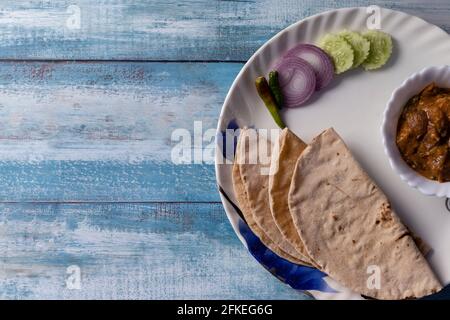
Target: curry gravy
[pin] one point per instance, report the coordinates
(423, 133)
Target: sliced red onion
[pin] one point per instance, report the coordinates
(297, 81)
(319, 61)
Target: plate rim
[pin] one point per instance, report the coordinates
(226, 202)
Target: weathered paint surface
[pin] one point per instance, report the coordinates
(102, 131)
(172, 30)
(85, 146)
(135, 251)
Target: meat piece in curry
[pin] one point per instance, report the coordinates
(423, 133)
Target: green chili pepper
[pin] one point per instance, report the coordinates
(267, 97)
(274, 86)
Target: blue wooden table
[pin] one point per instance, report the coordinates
(90, 92)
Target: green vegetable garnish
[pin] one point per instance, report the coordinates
(274, 86)
(262, 86)
(380, 49)
(360, 46)
(340, 51)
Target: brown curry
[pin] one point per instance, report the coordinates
(423, 133)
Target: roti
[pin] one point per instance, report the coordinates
(255, 179)
(283, 163)
(349, 228)
(242, 199)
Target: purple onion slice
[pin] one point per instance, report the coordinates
(319, 61)
(297, 81)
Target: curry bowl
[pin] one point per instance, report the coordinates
(412, 86)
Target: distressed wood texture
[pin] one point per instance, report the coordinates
(102, 131)
(134, 251)
(85, 146)
(168, 30)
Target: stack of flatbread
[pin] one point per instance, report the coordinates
(314, 205)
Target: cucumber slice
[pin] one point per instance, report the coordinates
(380, 49)
(360, 46)
(339, 50)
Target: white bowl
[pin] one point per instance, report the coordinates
(410, 87)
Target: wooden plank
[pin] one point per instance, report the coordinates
(133, 251)
(102, 131)
(165, 30)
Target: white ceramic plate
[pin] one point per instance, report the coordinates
(353, 104)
